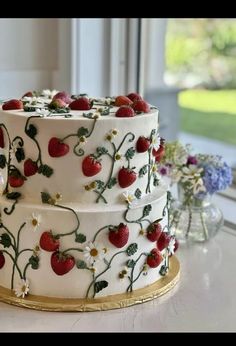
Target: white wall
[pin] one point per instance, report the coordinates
(29, 55)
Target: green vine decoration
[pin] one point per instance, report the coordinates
(132, 264)
(166, 210)
(146, 211)
(11, 169)
(12, 196)
(82, 134)
(99, 285)
(100, 186)
(149, 168)
(31, 131)
(8, 240)
(79, 237)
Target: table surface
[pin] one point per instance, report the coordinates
(203, 300)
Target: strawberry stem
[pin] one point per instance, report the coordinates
(101, 229)
(77, 221)
(72, 249)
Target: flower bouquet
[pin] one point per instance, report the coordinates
(198, 177)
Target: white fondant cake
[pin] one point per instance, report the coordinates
(84, 212)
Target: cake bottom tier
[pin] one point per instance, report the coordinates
(116, 301)
(78, 251)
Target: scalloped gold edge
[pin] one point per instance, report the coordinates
(116, 301)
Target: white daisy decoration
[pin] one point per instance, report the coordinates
(22, 288)
(92, 253)
(34, 221)
(36, 250)
(171, 246)
(128, 197)
(42, 112)
(156, 141)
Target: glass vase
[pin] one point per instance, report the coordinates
(195, 220)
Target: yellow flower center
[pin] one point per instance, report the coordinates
(82, 139)
(141, 232)
(23, 288)
(93, 185)
(87, 188)
(109, 137)
(117, 157)
(34, 222)
(104, 250)
(114, 132)
(93, 252)
(58, 196)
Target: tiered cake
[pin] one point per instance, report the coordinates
(84, 213)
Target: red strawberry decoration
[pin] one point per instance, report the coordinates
(1, 138)
(125, 112)
(12, 104)
(57, 103)
(176, 245)
(119, 236)
(134, 97)
(141, 106)
(163, 241)
(56, 148)
(63, 96)
(142, 144)
(154, 258)
(154, 231)
(126, 177)
(81, 104)
(30, 167)
(2, 260)
(122, 101)
(28, 94)
(48, 242)
(160, 152)
(16, 181)
(61, 263)
(91, 166)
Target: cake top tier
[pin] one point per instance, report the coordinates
(87, 150)
(52, 104)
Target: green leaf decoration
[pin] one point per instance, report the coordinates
(143, 171)
(100, 285)
(31, 131)
(147, 209)
(80, 238)
(130, 263)
(34, 262)
(164, 270)
(101, 151)
(3, 161)
(60, 110)
(45, 197)
(82, 131)
(129, 153)
(20, 154)
(106, 111)
(138, 193)
(29, 109)
(106, 261)
(81, 264)
(111, 183)
(156, 181)
(13, 195)
(131, 249)
(45, 170)
(100, 184)
(88, 115)
(5, 240)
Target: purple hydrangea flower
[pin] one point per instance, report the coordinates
(217, 178)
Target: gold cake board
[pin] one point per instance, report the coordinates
(116, 301)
